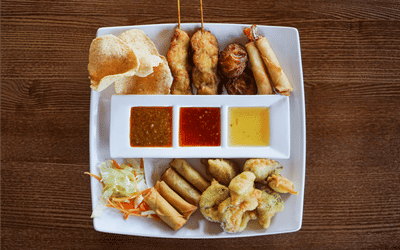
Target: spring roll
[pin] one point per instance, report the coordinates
(181, 186)
(163, 209)
(278, 76)
(183, 207)
(190, 174)
(259, 71)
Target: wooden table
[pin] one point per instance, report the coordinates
(351, 64)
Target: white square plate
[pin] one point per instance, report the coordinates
(286, 44)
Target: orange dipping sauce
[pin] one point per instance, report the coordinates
(151, 127)
(200, 127)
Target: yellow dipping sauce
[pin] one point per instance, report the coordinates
(248, 126)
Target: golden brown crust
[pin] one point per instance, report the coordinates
(178, 61)
(163, 209)
(233, 60)
(205, 59)
(181, 186)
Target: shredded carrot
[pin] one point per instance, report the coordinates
(116, 164)
(93, 175)
(141, 163)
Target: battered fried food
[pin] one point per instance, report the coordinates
(269, 204)
(233, 60)
(242, 188)
(222, 170)
(211, 198)
(205, 59)
(281, 184)
(234, 218)
(178, 61)
(242, 85)
(262, 168)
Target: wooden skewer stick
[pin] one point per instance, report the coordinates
(201, 13)
(179, 16)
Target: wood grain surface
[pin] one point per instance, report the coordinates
(351, 65)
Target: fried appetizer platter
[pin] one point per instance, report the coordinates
(235, 204)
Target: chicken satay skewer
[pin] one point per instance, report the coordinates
(178, 60)
(278, 76)
(205, 60)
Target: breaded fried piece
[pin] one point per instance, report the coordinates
(234, 218)
(262, 168)
(205, 59)
(211, 198)
(222, 170)
(178, 61)
(241, 188)
(269, 204)
(281, 184)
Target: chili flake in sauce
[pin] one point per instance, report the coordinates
(151, 127)
(200, 126)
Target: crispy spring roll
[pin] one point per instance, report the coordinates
(164, 210)
(278, 76)
(259, 71)
(181, 186)
(190, 174)
(185, 208)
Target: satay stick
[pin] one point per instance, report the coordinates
(163, 209)
(179, 15)
(201, 14)
(190, 174)
(184, 207)
(181, 186)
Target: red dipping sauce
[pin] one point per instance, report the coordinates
(200, 127)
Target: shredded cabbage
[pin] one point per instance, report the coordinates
(119, 183)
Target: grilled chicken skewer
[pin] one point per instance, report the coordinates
(178, 60)
(205, 60)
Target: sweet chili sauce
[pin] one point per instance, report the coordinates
(200, 126)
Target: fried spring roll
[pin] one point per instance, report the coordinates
(190, 174)
(181, 186)
(259, 71)
(163, 209)
(178, 61)
(185, 208)
(278, 76)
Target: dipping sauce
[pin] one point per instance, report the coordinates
(200, 126)
(151, 127)
(248, 126)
